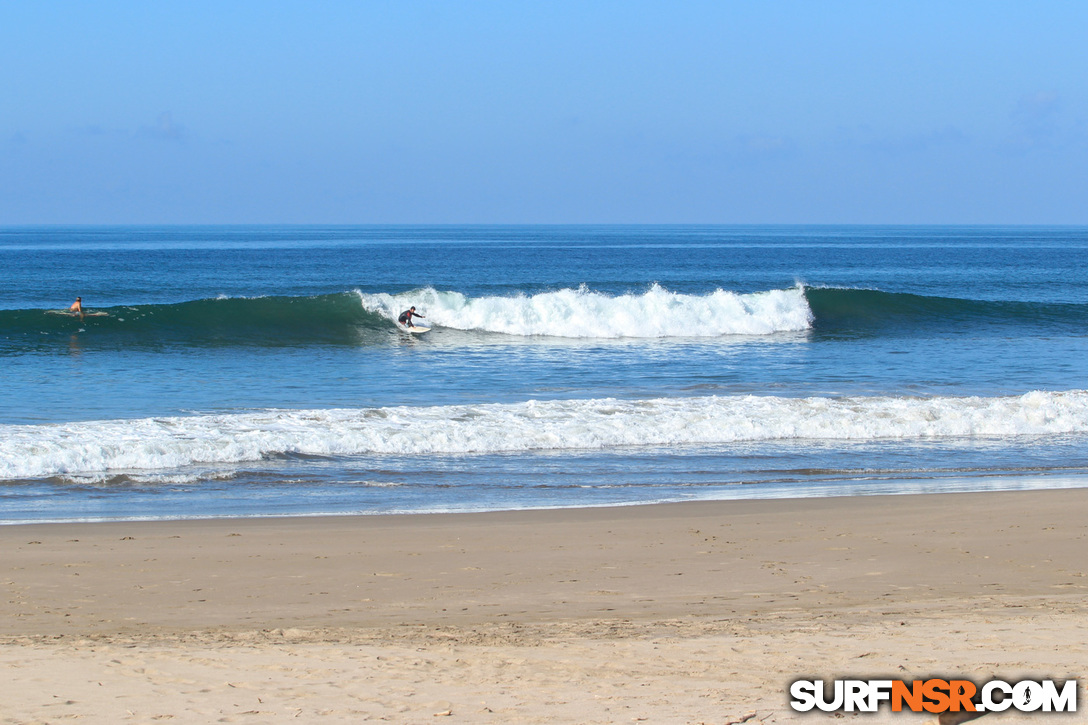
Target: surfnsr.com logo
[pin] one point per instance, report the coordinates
(934, 695)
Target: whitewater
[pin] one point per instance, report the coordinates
(168, 444)
(581, 313)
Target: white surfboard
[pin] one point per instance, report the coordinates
(416, 330)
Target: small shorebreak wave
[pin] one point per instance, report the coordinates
(170, 444)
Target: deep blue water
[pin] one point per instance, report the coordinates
(259, 370)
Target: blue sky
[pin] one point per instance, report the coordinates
(543, 112)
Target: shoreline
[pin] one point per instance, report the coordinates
(684, 612)
(765, 492)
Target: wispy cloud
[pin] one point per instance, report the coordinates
(95, 129)
(1036, 118)
(766, 144)
(1037, 107)
(1040, 122)
(164, 129)
(868, 140)
(756, 147)
(919, 142)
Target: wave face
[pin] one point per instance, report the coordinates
(862, 309)
(335, 318)
(170, 443)
(351, 318)
(580, 313)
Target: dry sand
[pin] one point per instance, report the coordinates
(680, 613)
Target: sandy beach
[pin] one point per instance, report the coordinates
(678, 613)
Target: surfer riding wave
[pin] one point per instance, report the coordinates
(406, 317)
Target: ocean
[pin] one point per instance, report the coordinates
(258, 371)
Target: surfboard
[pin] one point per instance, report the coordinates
(417, 330)
(69, 313)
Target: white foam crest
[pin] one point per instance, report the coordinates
(156, 444)
(581, 313)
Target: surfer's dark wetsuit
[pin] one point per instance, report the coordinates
(406, 317)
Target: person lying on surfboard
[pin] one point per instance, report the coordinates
(77, 307)
(406, 317)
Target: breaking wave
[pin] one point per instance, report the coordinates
(172, 443)
(353, 318)
(582, 313)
